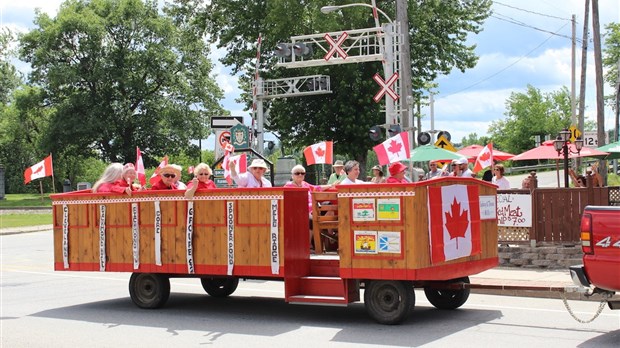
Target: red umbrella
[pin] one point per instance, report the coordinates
(547, 151)
(472, 151)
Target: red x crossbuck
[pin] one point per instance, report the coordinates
(334, 46)
(385, 87)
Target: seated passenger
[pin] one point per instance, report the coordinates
(377, 175)
(397, 173)
(166, 176)
(253, 178)
(110, 180)
(352, 169)
(201, 181)
(129, 176)
(177, 180)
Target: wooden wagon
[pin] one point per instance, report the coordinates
(392, 238)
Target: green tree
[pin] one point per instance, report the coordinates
(529, 114)
(473, 139)
(438, 33)
(119, 74)
(9, 78)
(611, 53)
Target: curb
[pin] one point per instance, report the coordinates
(25, 229)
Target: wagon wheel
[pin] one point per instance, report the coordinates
(219, 287)
(149, 290)
(448, 299)
(389, 302)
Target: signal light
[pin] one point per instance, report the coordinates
(586, 234)
(375, 133)
(424, 138)
(302, 49)
(445, 134)
(394, 130)
(283, 50)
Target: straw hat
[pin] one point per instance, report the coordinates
(170, 169)
(258, 163)
(378, 168)
(338, 163)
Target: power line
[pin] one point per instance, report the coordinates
(505, 18)
(507, 67)
(532, 12)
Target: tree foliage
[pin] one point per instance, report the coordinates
(438, 32)
(529, 114)
(117, 74)
(611, 53)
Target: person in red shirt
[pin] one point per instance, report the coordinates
(166, 179)
(111, 182)
(397, 174)
(201, 181)
(129, 177)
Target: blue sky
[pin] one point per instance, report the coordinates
(511, 57)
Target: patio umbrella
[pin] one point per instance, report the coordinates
(472, 151)
(613, 149)
(431, 152)
(547, 151)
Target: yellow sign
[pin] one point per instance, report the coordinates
(574, 133)
(445, 144)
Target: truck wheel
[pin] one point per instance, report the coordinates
(149, 290)
(448, 299)
(388, 302)
(219, 287)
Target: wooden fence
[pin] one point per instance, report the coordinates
(556, 214)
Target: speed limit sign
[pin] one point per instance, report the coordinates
(590, 139)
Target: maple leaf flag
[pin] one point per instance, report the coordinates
(485, 158)
(39, 170)
(394, 149)
(155, 177)
(140, 167)
(320, 153)
(454, 217)
(241, 165)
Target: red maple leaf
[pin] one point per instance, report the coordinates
(395, 146)
(320, 152)
(485, 156)
(37, 170)
(456, 221)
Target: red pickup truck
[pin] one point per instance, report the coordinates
(600, 238)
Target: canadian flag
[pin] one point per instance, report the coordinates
(454, 217)
(394, 149)
(154, 177)
(485, 158)
(241, 165)
(320, 153)
(140, 167)
(39, 170)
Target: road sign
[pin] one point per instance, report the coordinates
(223, 137)
(385, 87)
(334, 46)
(574, 133)
(225, 122)
(590, 139)
(444, 144)
(240, 136)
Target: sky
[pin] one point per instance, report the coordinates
(523, 42)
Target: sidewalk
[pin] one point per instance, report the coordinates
(489, 282)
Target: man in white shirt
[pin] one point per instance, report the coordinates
(464, 171)
(253, 178)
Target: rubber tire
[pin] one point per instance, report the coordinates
(219, 287)
(149, 290)
(448, 299)
(389, 301)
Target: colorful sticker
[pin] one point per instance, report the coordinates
(365, 242)
(363, 209)
(388, 209)
(390, 242)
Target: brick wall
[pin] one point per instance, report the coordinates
(544, 257)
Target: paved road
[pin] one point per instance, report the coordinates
(545, 179)
(43, 308)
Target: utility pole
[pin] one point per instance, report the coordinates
(573, 102)
(584, 64)
(406, 98)
(600, 106)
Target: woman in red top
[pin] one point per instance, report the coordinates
(110, 181)
(129, 176)
(397, 173)
(201, 181)
(166, 179)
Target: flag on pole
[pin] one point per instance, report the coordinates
(155, 176)
(241, 165)
(39, 170)
(454, 219)
(484, 159)
(140, 167)
(394, 149)
(320, 153)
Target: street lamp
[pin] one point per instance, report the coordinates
(561, 146)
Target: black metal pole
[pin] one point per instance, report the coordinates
(565, 150)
